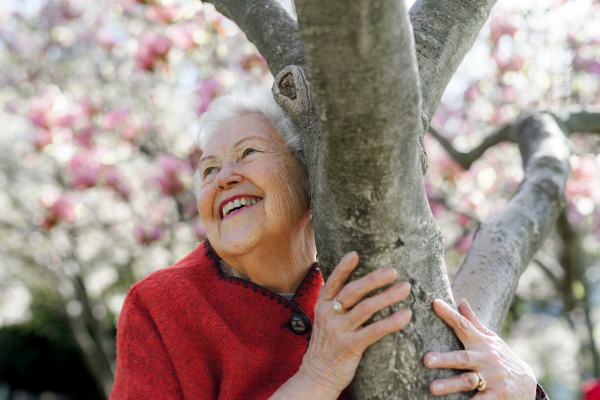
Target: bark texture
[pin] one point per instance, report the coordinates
(367, 189)
(505, 244)
(269, 27)
(444, 31)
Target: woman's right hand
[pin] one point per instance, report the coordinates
(338, 338)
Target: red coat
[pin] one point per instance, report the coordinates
(191, 331)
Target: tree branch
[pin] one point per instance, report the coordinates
(504, 244)
(570, 119)
(467, 159)
(269, 27)
(549, 273)
(444, 32)
(579, 118)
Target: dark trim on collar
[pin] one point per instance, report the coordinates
(224, 276)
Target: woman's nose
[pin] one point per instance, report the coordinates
(228, 177)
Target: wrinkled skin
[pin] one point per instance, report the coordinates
(506, 376)
(247, 157)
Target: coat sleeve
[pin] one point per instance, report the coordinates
(144, 367)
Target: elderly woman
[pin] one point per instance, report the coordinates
(246, 314)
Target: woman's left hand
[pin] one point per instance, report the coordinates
(506, 376)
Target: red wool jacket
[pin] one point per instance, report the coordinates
(192, 331)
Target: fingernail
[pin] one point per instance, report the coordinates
(438, 387)
(432, 361)
(406, 315)
(389, 273)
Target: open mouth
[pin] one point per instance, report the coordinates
(238, 204)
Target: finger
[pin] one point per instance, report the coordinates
(340, 275)
(465, 331)
(461, 383)
(366, 308)
(375, 331)
(486, 395)
(353, 292)
(463, 359)
(467, 311)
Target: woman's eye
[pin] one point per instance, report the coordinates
(247, 152)
(209, 171)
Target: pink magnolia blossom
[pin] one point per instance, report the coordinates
(121, 119)
(191, 207)
(182, 35)
(510, 94)
(72, 9)
(153, 48)
(106, 38)
(85, 136)
(171, 171)
(161, 13)
(198, 227)
(513, 63)
(40, 106)
(587, 167)
(41, 137)
(84, 168)
(464, 244)
(501, 25)
(11, 107)
(206, 92)
(115, 179)
(438, 209)
(145, 232)
(473, 92)
(58, 208)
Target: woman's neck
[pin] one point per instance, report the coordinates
(280, 267)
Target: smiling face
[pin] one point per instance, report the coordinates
(254, 192)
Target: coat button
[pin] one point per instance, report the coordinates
(299, 324)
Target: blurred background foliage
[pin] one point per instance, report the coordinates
(99, 107)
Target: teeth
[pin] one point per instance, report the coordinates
(238, 203)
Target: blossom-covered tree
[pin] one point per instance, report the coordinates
(99, 103)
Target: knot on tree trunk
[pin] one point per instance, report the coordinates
(291, 90)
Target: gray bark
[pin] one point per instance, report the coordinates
(269, 27)
(366, 180)
(505, 244)
(444, 31)
(362, 135)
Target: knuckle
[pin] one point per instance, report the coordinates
(348, 343)
(378, 330)
(463, 358)
(464, 324)
(363, 309)
(469, 380)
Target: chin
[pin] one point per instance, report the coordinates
(238, 243)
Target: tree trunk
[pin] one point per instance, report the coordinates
(362, 96)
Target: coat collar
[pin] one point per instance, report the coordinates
(304, 299)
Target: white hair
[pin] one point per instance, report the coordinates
(247, 98)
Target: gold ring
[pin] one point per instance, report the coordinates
(481, 383)
(337, 306)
